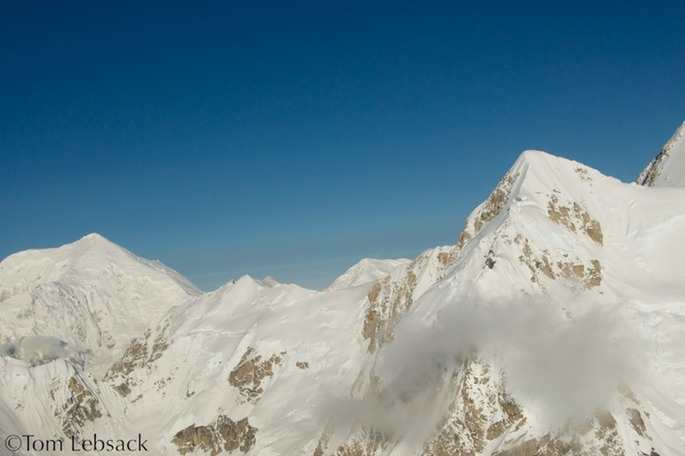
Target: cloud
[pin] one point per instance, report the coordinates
(558, 367)
(37, 350)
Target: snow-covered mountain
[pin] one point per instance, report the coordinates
(88, 296)
(554, 326)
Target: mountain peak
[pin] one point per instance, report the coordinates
(95, 241)
(93, 237)
(532, 181)
(667, 169)
(90, 293)
(541, 160)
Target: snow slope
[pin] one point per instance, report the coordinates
(265, 353)
(557, 245)
(560, 246)
(90, 296)
(365, 271)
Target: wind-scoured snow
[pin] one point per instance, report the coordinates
(367, 270)
(667, 169)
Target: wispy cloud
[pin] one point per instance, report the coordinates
(558, 367)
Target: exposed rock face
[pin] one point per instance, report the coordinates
(576, 218)
(368, 443)
(251, 371)
(482, 419)
(140, 353)
(81, 406)
(666, 168)
(597, 436)
(636, 421)
(480, 413)
(390, 298)
(542, 265)
(136, 355)
(222, 435)
(321, 445)
(490, 209)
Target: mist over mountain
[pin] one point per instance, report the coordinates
(553, 326)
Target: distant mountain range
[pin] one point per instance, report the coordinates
(554, 326)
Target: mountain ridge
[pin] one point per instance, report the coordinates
(553, 326)
(668, 167)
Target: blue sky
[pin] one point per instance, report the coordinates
(294, 138)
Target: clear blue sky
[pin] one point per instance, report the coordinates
(293, 138)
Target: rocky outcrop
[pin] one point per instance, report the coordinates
(542, 265)
(481, 412)
(252, 371)
(575, 218)
(369, 443)
(390, 298)
(653, 173)
(598, 435)
(222, 435)
(80, 406)
(490, 209)
(141, 352)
